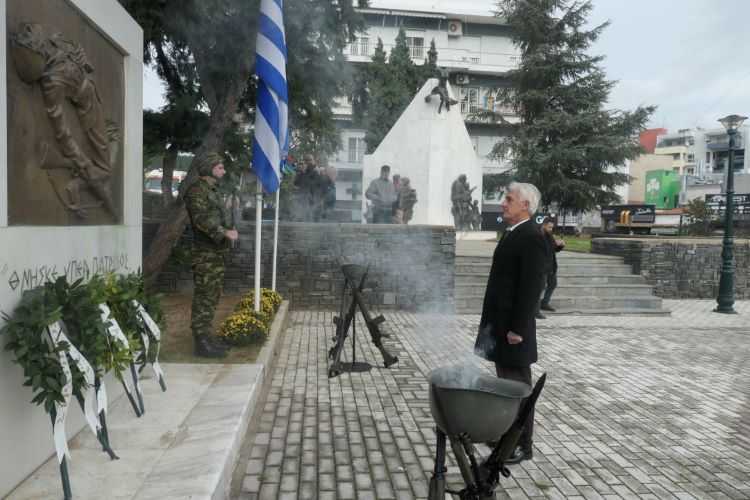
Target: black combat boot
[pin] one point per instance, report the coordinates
(205, 348)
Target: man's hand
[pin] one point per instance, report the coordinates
(513, 338)
(232, 234)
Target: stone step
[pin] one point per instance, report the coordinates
(596, 302)
(467, 305)
(594, 269)
(587, 256)
(562, 269)
(613, 279)
(633, 311)
(603, 290)
(480, 279)
(583, 258)
(473, 269)
(569, 291)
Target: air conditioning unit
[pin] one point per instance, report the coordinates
(455, 28)
(462, 79)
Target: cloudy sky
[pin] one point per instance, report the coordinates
(688, 57)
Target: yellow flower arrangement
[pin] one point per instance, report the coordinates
(245, 326)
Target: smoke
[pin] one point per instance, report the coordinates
(458, 376)
(486, 342)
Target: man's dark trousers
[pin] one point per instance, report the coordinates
(551, 284)
(520, 374)
(382, 215)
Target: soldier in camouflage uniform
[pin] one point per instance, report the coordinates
(212, 236)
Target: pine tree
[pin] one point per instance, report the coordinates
(567, 143)
(383, 89)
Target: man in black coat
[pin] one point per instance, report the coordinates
(507, 329)
(554, 245)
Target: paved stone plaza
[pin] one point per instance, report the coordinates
(634, 407)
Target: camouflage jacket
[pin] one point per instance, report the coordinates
(208, 215)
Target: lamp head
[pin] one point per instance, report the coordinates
(732, 122)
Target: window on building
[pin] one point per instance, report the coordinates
(708, 156)
(690, 157)
(416, 46)
(356, 149)
(469, 100)
(676, 156)
(360, 47)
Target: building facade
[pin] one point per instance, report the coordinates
(704, 153)
(477, 51)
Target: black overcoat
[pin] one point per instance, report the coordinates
(512, 296)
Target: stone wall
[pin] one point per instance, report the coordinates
(412, 265)
(685, 268)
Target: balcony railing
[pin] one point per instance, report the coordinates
(451, 57)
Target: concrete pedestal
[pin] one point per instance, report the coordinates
(31, 255)
(432, 150)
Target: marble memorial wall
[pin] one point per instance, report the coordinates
(70, 176)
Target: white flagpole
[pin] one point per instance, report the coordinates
(258, 222)
(275, 240)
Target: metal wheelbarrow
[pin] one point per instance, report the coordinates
(470, 406)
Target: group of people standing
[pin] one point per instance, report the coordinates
(392, 202)
(523, 264)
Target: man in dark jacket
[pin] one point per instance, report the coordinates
(507, 329)
(212, 233)
(308, 189)
(554, 245)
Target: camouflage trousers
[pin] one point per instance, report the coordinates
(208, 275)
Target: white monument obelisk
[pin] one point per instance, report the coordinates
(432, 149)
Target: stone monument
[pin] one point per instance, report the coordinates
(70, 175)
(430, 148)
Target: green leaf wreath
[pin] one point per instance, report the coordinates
(33, 350)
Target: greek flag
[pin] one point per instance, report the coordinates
(271, 115)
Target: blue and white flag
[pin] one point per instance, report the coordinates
(271, 115)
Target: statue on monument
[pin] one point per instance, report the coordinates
(462, 205)
(64, 75)
(441, 90)
(476, 217)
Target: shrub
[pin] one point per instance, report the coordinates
(245, 325)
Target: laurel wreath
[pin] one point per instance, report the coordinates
(33, 350)
(77, 304)
(120, 291)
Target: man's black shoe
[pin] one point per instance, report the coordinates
(540, 316)
(547, 307)
(204, 348)
(519, 455)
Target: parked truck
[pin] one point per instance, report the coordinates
(628, 219)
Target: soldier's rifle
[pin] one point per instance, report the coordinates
(344, 321)
(372, 327)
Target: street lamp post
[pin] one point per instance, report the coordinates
(725, 300)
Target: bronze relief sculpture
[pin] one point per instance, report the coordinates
(81, 152)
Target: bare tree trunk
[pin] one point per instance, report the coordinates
(171, 229)
(167, 172)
